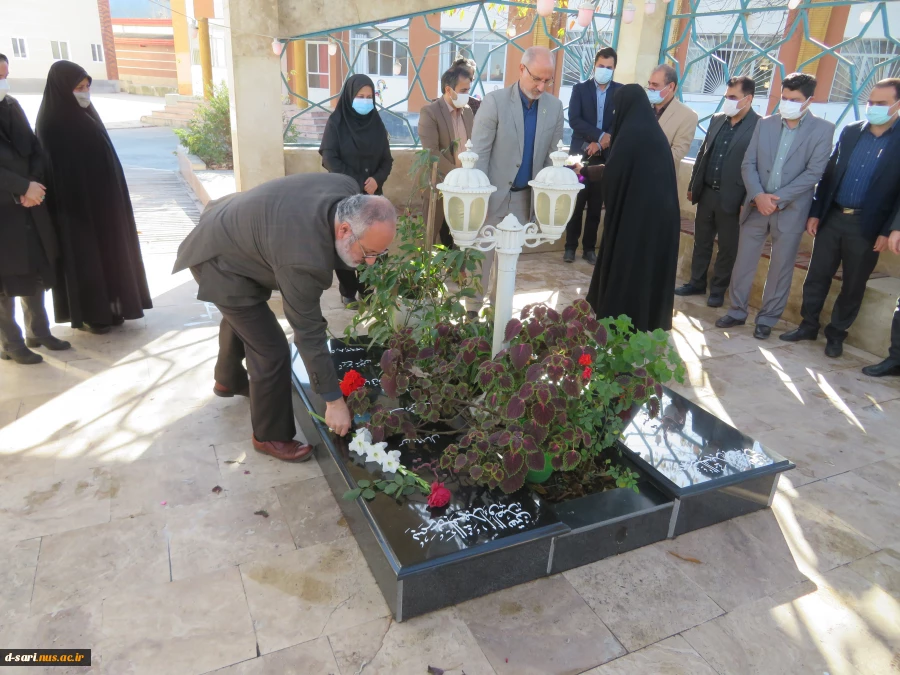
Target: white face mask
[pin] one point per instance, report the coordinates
(83, 98)
(603, 75)
(4, 88)
(461, 100)
(791, 110)
(730, 108)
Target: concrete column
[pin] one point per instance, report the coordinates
(298, 72)
(109, 44)
(182, 47)
(639, 45)
(205, 57)
(787, 54)
(420, 38)
(680, 27)
(254, 77)
(834, 34)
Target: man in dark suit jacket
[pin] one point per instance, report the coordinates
(287, 234)
(718, 190)
(591, 112)
(891, 365)
(851, 217)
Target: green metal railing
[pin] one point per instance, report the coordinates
(857, 75)
(576, 48)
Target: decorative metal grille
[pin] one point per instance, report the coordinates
(710, 41)
(486, 37)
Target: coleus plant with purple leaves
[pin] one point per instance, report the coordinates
(560, 393)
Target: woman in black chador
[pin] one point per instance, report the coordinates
(102, 281)
(635, 271)
(356, 144)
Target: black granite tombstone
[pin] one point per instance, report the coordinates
(482, 541)
(713, 471)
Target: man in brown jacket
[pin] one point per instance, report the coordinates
(678, 122)
(444, 127)
(287, 234)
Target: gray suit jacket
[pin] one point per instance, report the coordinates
(803, 168)
(732, 192)
(279, 235)
(500, 146)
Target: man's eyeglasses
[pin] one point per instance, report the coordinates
(368, 254)
(537, 80)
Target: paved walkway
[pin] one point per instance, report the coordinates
(116, 536)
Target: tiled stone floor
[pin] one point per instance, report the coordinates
(114, 539)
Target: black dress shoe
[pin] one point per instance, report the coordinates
(688, 289)
(798, 334)
(762, 332)
(52, 343)
(715, 301)
(728, 321)
(590, 256)
(22, 356)
(345, 301)
(569, 256)
(95, 328)
(889, 366)
(834, 348)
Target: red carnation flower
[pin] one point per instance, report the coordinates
(440, 496)
(586, 373)
(351, 382)
(585, 360)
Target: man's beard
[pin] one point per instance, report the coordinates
(342, 247)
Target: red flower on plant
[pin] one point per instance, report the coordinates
(585, 360)
(586, 373)
(440, 496)
(351, 382)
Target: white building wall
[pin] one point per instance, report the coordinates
(76, 22)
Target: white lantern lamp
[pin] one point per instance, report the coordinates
(277, 47)
(585, 13)
(545, 7)
(555, 190)
(628, 13)
(650, 7)
(466, 192)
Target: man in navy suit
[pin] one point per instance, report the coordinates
(855, 205)
(591, 110)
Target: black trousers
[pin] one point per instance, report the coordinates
(712, 221)
(37, 325)
(349, 283)
(254, 333)
(590, 199)
(894, 351)
(839, 240)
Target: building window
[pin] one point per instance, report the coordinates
(867, 55)
(317, 65)
(60, 50)
(380, 57)
(97, 53)
(488, 52)
(19, 50)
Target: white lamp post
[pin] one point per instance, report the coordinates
(466, 192)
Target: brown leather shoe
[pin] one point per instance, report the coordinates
(225, 392)
(286, 451)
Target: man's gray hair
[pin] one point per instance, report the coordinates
(668, 72)
(363, 211)
(532, 54)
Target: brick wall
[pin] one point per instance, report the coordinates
(109, 46)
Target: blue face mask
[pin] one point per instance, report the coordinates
(363, 105)
(603, 75)
(878, 114)
(656, 97)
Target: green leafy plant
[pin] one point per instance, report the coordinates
(208, 134)
(561, 393)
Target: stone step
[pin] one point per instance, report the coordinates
(175, 99)
(159, 119)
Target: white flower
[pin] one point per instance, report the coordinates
(376, 453)
(391, 461)
(361, 441)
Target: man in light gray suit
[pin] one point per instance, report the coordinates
(785, 159)
(515, 131)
